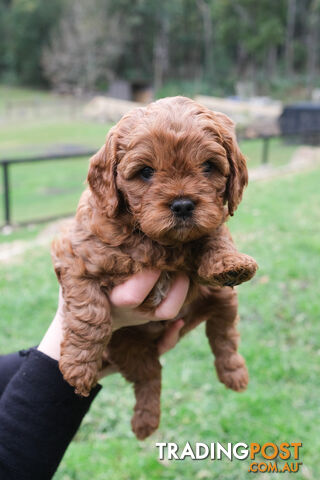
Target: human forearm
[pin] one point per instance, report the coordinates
(39, 415)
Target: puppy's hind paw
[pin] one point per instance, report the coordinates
(233, 372)
(144, 423)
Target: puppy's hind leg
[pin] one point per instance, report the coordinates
(139, 363)
(224, 338)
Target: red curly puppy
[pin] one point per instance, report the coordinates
(160, 190)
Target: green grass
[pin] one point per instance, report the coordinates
(17, 95)
(51, 188)
(26, 139)
(278, 223)
(280, 152)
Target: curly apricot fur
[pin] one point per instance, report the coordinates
(125, 224)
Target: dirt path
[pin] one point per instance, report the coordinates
(304, 159)
(13, 250)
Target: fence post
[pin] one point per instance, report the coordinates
(6, 193)
(265, 150)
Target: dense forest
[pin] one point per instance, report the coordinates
(211, 45)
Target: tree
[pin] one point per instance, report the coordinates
(212, 43)
(84, 47)
(28, 29)
(3, 37)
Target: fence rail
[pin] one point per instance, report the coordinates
(5, 165)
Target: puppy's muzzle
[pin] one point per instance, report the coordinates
(182, 208)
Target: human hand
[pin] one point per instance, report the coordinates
(126, 298)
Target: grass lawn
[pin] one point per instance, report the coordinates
(25, 140)
(18, 94)
(280, 152)
(278, 223)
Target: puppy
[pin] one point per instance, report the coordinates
(160, 191)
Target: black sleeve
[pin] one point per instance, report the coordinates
(9, 365)
(39, 415)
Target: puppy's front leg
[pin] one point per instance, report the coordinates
(87, 330)
(221, 263)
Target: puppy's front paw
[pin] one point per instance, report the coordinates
(144, 423)
(229, 271)
(232, 371)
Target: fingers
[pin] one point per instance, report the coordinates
(129, 295)
(170, 337)
(133, 291)
(171, 305)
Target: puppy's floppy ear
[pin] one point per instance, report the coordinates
(238, 177)
(102, 176)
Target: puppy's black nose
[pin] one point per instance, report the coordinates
(182, 207)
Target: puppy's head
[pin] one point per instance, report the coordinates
(173, 165)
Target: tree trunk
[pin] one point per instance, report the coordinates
(205, 12)
(291, 17)
(271, 61)
(161, 53)
(313, 45)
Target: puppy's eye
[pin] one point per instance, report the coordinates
(146, 173)
(208, 167)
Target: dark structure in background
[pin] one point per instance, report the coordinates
(134, 91)
(301, 122)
